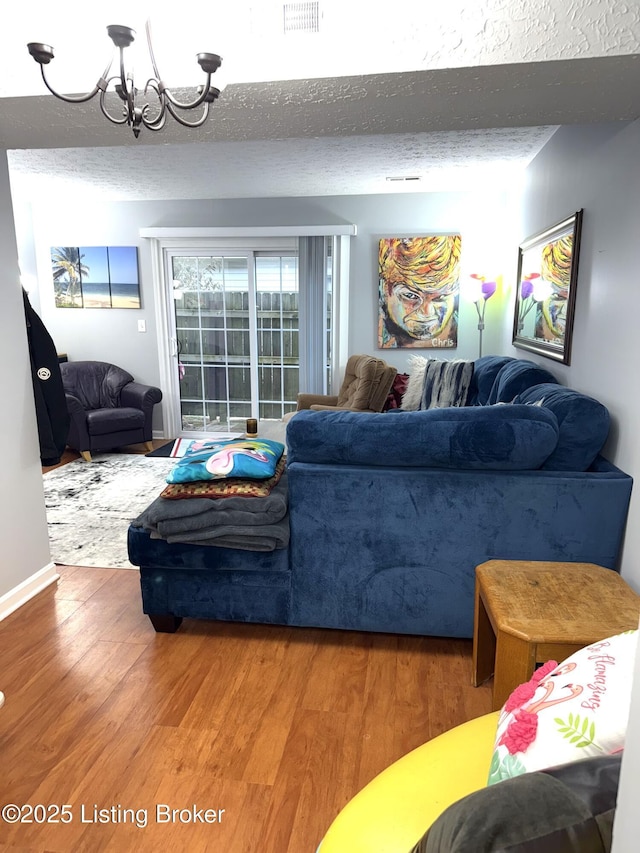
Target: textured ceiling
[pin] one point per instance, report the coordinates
(460, 96)
(349, 165)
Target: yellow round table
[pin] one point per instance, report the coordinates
(392, 812)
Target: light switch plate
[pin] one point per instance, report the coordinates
(142, 326)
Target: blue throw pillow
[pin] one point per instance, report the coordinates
(250, 458)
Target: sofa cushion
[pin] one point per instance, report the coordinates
(485, 371)
(510, 438)
(583, 424)
(515, 377)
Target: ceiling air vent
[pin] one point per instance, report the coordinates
(301, 17)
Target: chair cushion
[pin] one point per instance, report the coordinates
(358, 382)
(104, 421)
(381, 386)
(583, 424)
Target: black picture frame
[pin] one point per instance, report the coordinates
(546, 290)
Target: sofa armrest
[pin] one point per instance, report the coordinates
(305, 401)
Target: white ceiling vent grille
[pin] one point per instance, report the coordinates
(301, 17)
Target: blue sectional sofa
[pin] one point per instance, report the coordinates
(390, 513)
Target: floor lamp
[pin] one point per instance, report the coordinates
(479, 291)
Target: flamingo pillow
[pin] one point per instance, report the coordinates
(569, 711)
(250, 458)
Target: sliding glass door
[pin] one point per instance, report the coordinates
(278, 334)
(236, 325)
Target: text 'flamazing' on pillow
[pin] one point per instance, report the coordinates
(251, 458)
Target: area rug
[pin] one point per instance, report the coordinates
(91, 504)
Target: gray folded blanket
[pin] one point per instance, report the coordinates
(198, 515)
(261, 537)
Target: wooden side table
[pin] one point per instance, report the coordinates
(532, 612)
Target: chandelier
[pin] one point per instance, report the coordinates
(137, 111)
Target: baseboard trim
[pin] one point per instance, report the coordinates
(26, 590)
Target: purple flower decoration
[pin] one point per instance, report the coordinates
(526, 289)
(489, 288)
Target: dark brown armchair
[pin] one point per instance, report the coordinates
(108, 409)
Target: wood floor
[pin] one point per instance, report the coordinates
(279, 727)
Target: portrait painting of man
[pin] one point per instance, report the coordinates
(551, 315)
(419, 283)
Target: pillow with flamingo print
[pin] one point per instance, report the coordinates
(567, 711)
(250, 458)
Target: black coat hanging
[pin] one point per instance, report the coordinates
(51, 406)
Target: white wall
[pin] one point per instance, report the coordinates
(23, 526)
(596, 168)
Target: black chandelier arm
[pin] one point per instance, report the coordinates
(154, 124)
(159, 118)
(197, 123)
(126, 90)
(105, 111)
(100, 86)
(202, 96)
(147, 27)
(208, 61)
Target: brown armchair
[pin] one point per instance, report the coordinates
(365, 387)
(107, 407)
